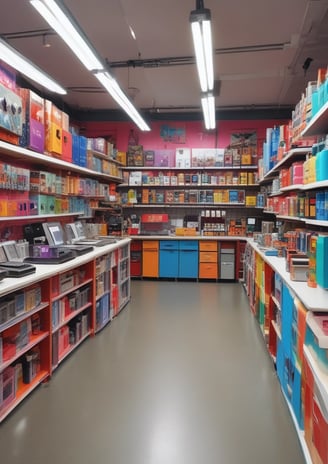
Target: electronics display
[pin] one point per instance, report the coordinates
(76, 235)
(55, 236)
(45, 254)
(9, 261)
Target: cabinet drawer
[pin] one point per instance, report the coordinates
(208, 246)
(208, 271)
(188, 245)
(168, 245)
(150, 245)
(208, 257)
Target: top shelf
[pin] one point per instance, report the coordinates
(195, 168)
(23, 154)
(292, 155)
(100, 155)
(318, 124)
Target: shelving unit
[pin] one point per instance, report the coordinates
(38, 311)
(303, 382)
(73, 190)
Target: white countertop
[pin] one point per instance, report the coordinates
(314, 299)
(44, 271)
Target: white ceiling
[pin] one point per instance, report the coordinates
(294, 29)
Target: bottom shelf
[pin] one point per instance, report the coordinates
(69, 350)
(107, 321)
(22, 393)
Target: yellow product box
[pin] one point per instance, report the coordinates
(312, 171)
(185, 231)
(243, 178)
(246, 157)
(250, 178)
(121, 157)
(250, 200)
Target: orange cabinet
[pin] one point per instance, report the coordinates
(150, 251)
(208, 259)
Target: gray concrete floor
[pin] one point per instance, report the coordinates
(181, 376)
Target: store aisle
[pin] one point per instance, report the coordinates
(181, 376)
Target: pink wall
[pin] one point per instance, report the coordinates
(195, 134)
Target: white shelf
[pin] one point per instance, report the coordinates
(315, 222)
(292, 187)
(276, 328)
(195, 168)
(276, 302)
(190, 186)
(30, 156)
(318, 124)
(314, 299)
(294, 153)
(290, 218)
(315, 185)
(187, 205)
(39, 216)
(319, 375)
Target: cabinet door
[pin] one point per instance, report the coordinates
(150, 263)
(168, 263)
(188, 264)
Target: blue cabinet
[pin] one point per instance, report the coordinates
(169, 258)
(188, 259)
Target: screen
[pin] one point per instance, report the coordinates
(79, 229)
(54, 233)
(11, 251)
(251, 221)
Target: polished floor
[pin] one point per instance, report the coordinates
(181, 376)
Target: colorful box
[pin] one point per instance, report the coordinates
(33, 129)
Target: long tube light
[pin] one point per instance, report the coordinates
(200, 20)
(112, 87)
(67, 29)
(61, 20)
(17, 61)
(208, 105)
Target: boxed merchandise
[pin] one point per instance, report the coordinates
(33, 130)
(53, 128)
(10, 111)
(164, 158)
(67, 146)
(149, 157)
(135, 155)
(183, 158)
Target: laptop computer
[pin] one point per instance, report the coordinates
(11, 262)
(55, 236)
(77, 235)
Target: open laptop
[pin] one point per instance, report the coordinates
(77, 235)
(11, 262)
(55, 236)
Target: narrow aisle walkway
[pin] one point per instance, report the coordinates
(165, 383)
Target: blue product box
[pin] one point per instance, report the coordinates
(322, 261)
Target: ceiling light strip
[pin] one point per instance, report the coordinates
(64, 24)
(17, 61)
(60, 22)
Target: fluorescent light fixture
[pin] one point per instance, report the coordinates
(61, 20)
(112, 87)
(208, 105)
(200, 20)
(17, 61)
(63, 23)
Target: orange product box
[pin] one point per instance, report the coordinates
(53, 125)
(145, 195)
(66, 146)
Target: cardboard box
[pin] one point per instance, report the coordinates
(33, 128)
